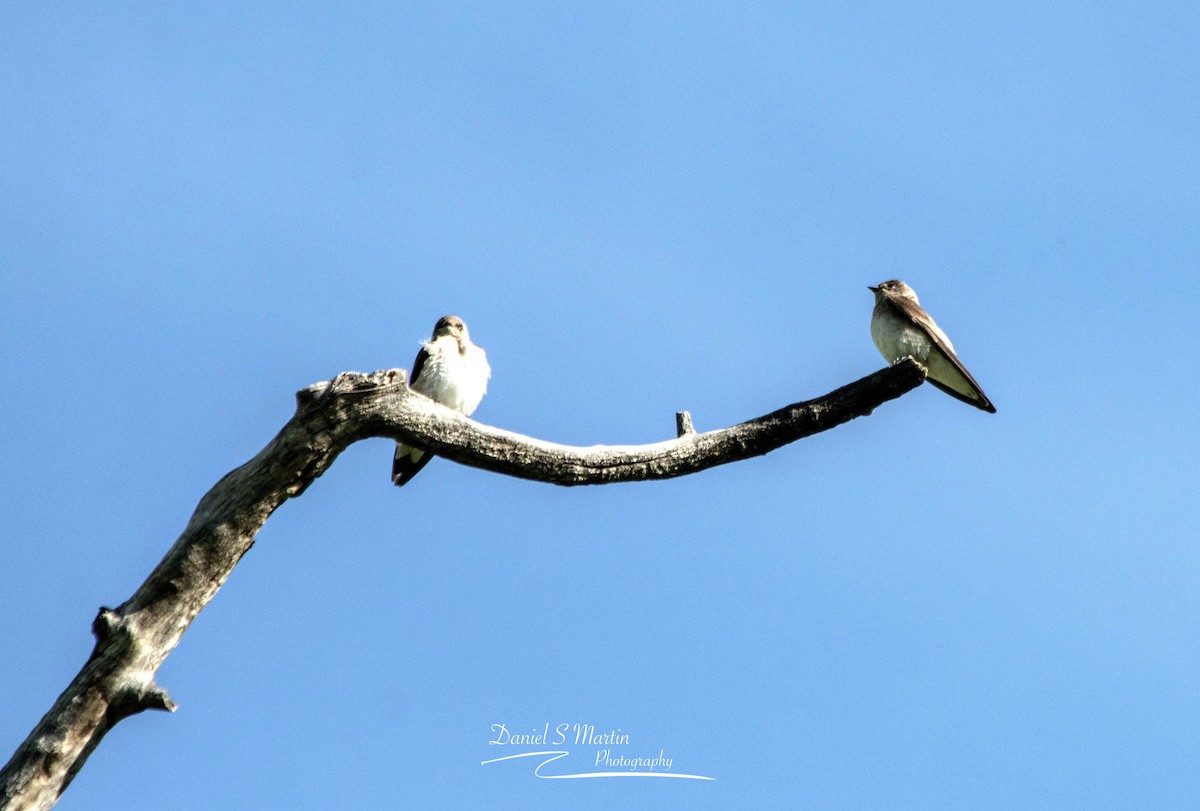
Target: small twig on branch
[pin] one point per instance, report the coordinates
(133, 639)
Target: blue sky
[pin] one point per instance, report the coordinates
(638, 209)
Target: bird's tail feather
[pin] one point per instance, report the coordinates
(407, 463)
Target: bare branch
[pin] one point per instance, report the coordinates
(133, 639)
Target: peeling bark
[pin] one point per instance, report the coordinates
(133, 639)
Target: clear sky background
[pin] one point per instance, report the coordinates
(638, 209)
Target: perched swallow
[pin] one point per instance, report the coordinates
(901, 329)
(451, 370)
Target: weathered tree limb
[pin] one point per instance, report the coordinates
(133, 639)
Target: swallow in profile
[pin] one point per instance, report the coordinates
(901, 328)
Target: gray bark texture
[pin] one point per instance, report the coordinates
(133, 639)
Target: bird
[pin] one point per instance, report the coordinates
(450, 370)
(901, 328)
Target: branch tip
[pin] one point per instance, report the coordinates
(350, 383)
(156, 698)
(310, 394)
(107, 621)
(683, 424)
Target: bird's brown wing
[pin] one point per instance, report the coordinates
(946, 357)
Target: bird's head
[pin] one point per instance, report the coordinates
(450, 326)
(894, 289)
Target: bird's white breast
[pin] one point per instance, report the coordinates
(896, 337)
(455, 379)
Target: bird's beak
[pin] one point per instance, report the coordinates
(873, 289)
